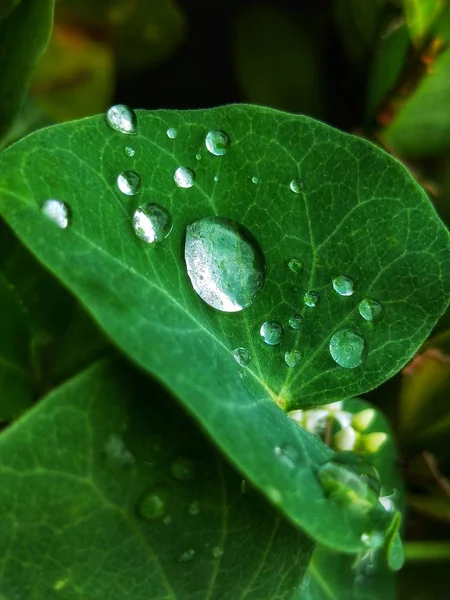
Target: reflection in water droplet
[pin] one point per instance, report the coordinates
(370, 310)
(295, 265)
(117, 454)
(57, 211)
(182, 469)
(271, 332)
(343, 285)
(217, 142)
(152, 222)
(242, 356)
(292, 358)
(171, 133)
(296, 186)
(311, 299)
(129, 151)
(184, 178)
(295, 321)
(129, 183)
(255, 179)
(122, 118)
(224, 262)
(186, 556)
(155, 503)
(194, 508)
(217, 552)
(347, 348)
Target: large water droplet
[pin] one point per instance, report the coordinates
(152, 223)
(182, 469)
(57, 211)
(129, 151)
(224, 262)
(347, 348)
(129, 183)
(217, 142)
(295, 265)
(311, 299)
(186, 556)
(370, 310)
(296, 186)
(295, 321)
(171, 133)
(155, 503)
(343, 285)
(292, 358)
(122, 118)
(271, 332)
(184, 177)
(242, 356)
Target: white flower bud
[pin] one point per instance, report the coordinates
(345, 439)
(363, 419)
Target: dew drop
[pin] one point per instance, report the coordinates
(122, 118)
(117, 454)
(216, 178)
(295, 265)
(198, 156)
(186, 556)
(224, 262)
(182, 469)
(348, 348)
(217, 142)
(243, 487)
(129, 183)
(255, 179)
(152, 223)
(271, 332)
(184, 177)
(295, 321)
(217, 552)
(155, 503)
(296, 186)
(242, 357)
(129, 151)
(343, 285)
(292, 358)
(311, 299)
(194, 508)
(171, 133)
(167, 520)
(57, 211)
(370, 310)
(373, 539)
(288, 454)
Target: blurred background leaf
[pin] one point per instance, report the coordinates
(420, 15)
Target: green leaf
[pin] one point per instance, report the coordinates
(359, 214)
(81, 469)
(24, 34)
(7, 6)
(420, 16)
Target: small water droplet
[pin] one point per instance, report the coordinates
(186, 556)
(242, 357)
(155, 503)
(243, 487)
(224, 262)
(311, 299)
(217, 142)
(198, 156)
(171, 133)
(347, 348)
(295, 265)
(184, 178)
(129, 151)
(182, 469)
(273, 494)
(216, 178)
(57, 211)
(292, 358)
(152, 222)
(271, 332)
(343, 285)
(167, 520)
(296, 186)
(288, 454)
(372, 539)
(122, 118)
(117, 454)
(370, 310)
(295, 321)
(255, 179)
(129, 183)
(217, 552)
(194, 508)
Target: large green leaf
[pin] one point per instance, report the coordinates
(359, 214)
(80, 470)
(24, 34)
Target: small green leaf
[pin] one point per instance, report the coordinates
(420, 16)
(91, 510)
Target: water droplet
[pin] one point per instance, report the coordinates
(343, 285)
(217, 142)
(224, 262)
(172, 133)
(273, 494)
(373, 539)
(129, 151)
(295, 321)
(288, 454)
(292, 358)
(242, 357)
(243, 487)
(152, 222)
(217, 552)
(370, 310)
(295, 265)
(184, 178)
(255, 179)
(117, 454)
(271, 332)
(194, 508)
(186, 556)
(122, 118)
(182, 469)
(311, 299)
(296, 186)
(129, 183)
(155, 503)
(198, 156)
(347, 348)
(216, 178)
(57, 211)
(167, 520)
